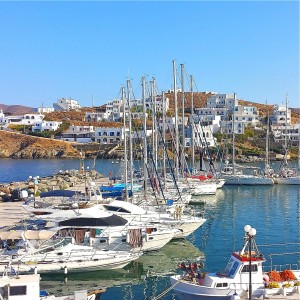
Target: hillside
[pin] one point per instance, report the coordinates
(18, 145)
(16, 109)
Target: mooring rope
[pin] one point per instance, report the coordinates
(165, 291)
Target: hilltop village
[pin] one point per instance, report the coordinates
(67, 129)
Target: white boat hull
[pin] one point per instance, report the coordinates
(247, 180)
(287, 180)
(188, 291)
(74, 260)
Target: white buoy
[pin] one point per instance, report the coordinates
(65, 270)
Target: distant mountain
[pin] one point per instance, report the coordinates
(16, 109)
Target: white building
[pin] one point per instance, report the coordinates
(291, 132)
(281, 115)
(96, 116)
(158, 100)
(44, 110)
(41, 126)
(209, 114)
(66, 104)
(79, 134)
(109, 135)
(221, 101)
(27, 119)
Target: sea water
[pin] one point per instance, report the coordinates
(274, 211)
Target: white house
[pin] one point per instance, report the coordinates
(221, 101)
(281, 115)
(41, 126)
(289, 131)
(27, 119)
(79, 133)
(66, 104)
(158, 100)
(44, 110)
(96, 116)
(110, 134)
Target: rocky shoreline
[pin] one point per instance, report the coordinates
(60, 181)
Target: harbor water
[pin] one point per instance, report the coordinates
(273, 210)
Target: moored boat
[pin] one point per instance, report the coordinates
(243, 277)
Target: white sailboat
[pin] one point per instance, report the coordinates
(286, 174)
(232, 176)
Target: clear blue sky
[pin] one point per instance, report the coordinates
(50, 50)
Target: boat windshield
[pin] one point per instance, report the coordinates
(51, 245)
(231, 268)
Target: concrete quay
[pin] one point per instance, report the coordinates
(13, 212)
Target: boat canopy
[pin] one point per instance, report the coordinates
(28, 234)
(112, 220)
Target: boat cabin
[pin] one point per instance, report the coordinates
(20, 287)
(237, 272)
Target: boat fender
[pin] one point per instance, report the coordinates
(65, 270)
(35, 270)
(235, 296)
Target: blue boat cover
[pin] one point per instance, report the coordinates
(58, 193)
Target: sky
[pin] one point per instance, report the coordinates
(87, 50)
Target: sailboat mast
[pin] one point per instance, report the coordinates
(164, 135)
(183, 107)
(192, 124)
(233, 134)
(176, 120)
(145, 134)
(130, 136)
(267, 144)
(155, 124)
(125, 143)
(285, 136)
(154, 133)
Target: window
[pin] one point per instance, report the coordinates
(18, 290)
(222, 284)
(246, 268)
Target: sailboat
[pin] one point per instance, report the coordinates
(230, 173)
(287, 175)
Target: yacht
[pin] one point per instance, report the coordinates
(59, 254)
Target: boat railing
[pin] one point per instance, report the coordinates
(282, 267)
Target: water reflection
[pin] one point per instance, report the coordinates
(153, 264)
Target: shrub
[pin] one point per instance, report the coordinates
(287, 275)
(286, 285)
(274, 276)
(297, 283)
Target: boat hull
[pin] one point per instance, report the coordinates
(247, 180)
(287, 180)
(188, 291)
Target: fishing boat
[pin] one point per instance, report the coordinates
(243, 277)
